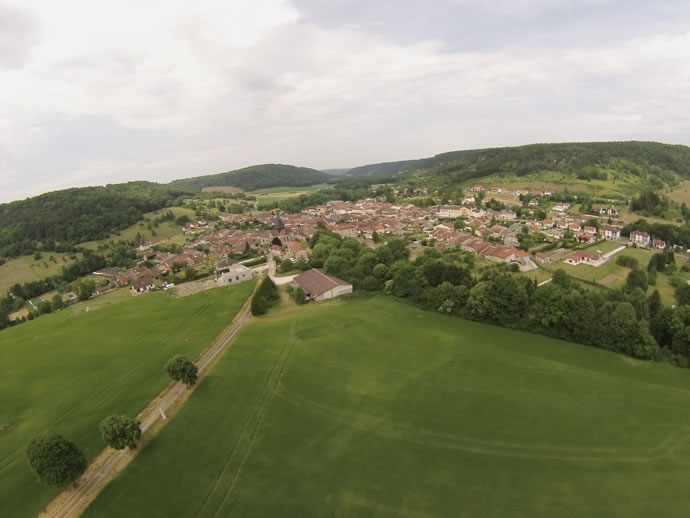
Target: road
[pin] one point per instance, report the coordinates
(278, 281)
(89, 487)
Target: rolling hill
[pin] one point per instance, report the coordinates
(264, 176)
(636, 165)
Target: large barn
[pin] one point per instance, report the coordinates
(319, 286)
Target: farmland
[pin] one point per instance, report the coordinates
(166, 231)
(26, 269)
(278, 194)
(376, 408)
(69, 370)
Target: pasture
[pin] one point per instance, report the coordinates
(375, 408)
(166, 232)
(278, 194)
(26, 269)
(67, 371)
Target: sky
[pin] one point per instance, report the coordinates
(103, 92)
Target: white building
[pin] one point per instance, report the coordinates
(234, 274)
(319, 286)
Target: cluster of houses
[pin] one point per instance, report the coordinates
(492, 234)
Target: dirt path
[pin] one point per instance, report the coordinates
(77, 497)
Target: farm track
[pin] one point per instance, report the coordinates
(94, 480)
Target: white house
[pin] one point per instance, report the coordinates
(640, 238)
(450, 211)
(234, 274)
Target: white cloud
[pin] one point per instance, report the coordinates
(211, 85)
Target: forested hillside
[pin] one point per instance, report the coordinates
(654, 164)
(58, 220)
(262, 176)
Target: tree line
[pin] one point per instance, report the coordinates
(57, 221)
(623, 320)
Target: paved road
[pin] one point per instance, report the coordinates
(88, 489)
(278, 281)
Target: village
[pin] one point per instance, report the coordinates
(237, 246)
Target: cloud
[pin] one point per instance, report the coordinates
(18, 32)
(157, 90)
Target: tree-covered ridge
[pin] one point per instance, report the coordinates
(58, 220)
(264, 176)
(657, 163)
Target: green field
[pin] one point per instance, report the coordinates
(69, 370)
(278, 194)
(166, 232)
(376, 408)
(26, 269)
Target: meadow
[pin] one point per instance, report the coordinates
(612, 275)
(69, 370)
(166, 232)
(278, 194)
(373, 407)
(26, 269)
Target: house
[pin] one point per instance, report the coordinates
(584, 257)
(501, 254)
(296, 251)
(233, 274)
(560, 207)
(640, 238)
(319, 286)
(450, 211)
(468, 199)
(542, 257)
(659, 244)
(476, 188)
(142, 285)
(611, 232)
(507, 215)
(590, 230)
(344, 229)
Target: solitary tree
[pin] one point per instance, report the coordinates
(181, 368)
(55, 460)
(120, 431)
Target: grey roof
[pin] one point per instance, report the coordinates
(315, 282)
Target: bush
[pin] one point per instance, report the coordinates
(265, 296)
(627, 261)
(299, 295)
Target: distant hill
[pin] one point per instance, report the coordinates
(55, 221)
(264, 176)
(336, 172)
(639, 164)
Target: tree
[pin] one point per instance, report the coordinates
(85, 289)
(55, 460)
(57, 303)
(120, 431)
(636, 279)
(181, 368)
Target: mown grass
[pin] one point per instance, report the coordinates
(26, 269)
(376, 408)
(69, 370)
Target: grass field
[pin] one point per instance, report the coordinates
(681, 194)
(553, 181)
(26, 268)
(374, 408)
(222, 188)
(166, 232)
(278, 194)
(69, 370)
